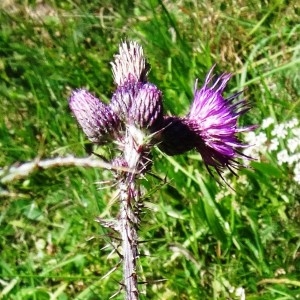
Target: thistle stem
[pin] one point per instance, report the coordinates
(129, 214)
(128, 231)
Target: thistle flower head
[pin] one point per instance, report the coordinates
(97, 120)
(210, 126)
(130, 64)
(214, 119)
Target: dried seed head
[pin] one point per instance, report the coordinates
(130, 64)
(96, 119)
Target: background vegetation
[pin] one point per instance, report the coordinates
(202, 240)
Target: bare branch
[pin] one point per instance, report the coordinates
(16, 172)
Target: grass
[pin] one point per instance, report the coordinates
(202, 240)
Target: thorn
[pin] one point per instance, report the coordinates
(116, 293)
(112, 224)
(112, 270)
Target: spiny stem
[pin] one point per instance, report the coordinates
(129, 216)
(128, 230)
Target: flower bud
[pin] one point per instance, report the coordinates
(138, 104)
(123, 98)
(146, 110)
(97, 120)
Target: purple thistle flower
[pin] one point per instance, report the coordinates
(96, 119)
(210, 127)
(214, 119)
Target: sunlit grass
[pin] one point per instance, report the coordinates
(201, 240)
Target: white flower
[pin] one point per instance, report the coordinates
(261, 139)
(292, 123)
(251, 152)
(293, 144)
(274, 145)
(297, 173)
(130, 64)
(297, 169)
(260, 142)
(256, 142)
(295, 158)
(279, 131)
(250, 137)
(296, 131)
(240, 292)
(267, 122)
(282, 157)
(285, 143)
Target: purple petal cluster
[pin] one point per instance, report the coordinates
(210, 127)
(214, 119)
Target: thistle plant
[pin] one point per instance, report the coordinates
(134, 123)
